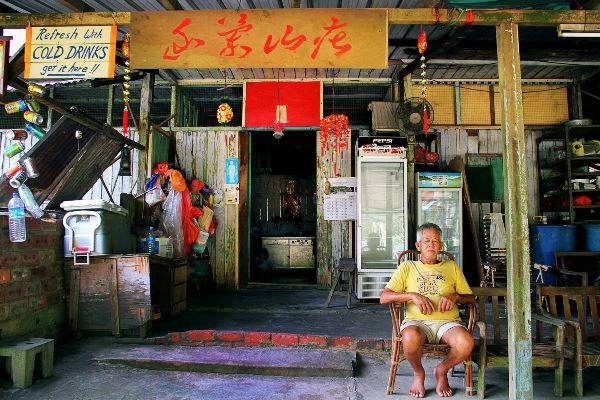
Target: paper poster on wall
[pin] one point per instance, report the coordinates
(340, 203)
(231, 171)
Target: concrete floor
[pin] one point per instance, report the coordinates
(78, 376)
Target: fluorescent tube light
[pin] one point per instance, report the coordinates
(579, 30)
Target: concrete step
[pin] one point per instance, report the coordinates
(238, 360)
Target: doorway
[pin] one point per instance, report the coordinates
(283, 215)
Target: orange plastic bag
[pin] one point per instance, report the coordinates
(177, 181)
(189, 213)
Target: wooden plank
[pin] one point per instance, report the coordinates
(496, 319)
(74, 298)
(64, 19)
(409, 16)
(152, 48)
(515, 194)
(145, 136)
(114, 298)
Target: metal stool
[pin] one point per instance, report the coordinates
(347, 265)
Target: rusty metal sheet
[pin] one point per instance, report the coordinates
(68, 168)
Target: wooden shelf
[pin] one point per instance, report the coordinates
(586, 191)
(584, 158)
(585, 174)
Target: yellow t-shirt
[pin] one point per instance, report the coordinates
(432, 281)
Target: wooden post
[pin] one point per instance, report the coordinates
(515, 200)
(146, 99)
(110, 103)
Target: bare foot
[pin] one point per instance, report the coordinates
(442, 388)
(418, 385)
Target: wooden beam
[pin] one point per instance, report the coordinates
(64, 19)
(76, 5)
(145, 133)
(515, 201)
(396, 16)
(171, 5)
(412, 16)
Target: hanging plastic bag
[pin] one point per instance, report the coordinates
(190, 213)
(177, 181)
(171, 222)
(154, 193)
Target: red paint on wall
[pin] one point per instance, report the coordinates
(303, 101)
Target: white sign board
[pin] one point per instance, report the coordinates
(70, 52)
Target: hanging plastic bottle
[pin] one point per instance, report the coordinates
(13, 149)
(15, 106)
(35, 130)
(17, 231)
(33, 117)
(29, 200)
(16, 134)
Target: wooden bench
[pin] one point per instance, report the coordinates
(582, 346)
(494, 353)
(22, 353)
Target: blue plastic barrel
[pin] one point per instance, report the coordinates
(545, 240)
(592, 237)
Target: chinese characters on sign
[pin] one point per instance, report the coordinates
(70, 52)
(260, 38)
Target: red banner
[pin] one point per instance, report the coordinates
(303, 100)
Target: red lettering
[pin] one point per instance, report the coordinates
(338, 37)
(174, 51)
(290, 43)
(233, 35)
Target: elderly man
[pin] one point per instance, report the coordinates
(431, 289)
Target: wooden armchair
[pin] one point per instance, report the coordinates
(492, 352)
(397, 312)
(582, 345)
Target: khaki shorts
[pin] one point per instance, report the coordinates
(433, 329)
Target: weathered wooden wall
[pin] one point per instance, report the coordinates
(461, 142)
(202, 153)
(334, 238)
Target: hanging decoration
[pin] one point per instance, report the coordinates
(334, 133)
(125, 166)
(224, 110)
(422, 46)
(280, 114)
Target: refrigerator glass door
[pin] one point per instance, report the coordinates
(382, 214)
(443, 208)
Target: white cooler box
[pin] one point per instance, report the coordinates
(96, 227)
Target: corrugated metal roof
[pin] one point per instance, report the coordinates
(405, 34)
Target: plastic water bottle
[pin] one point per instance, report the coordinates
(16, 219)
(29, 200)
(151, 242)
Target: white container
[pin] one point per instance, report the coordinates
(96, 227)
(165, 247)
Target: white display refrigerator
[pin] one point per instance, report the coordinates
(382, 217)
(439, 201)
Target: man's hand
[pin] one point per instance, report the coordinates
(448, 302)
(425, 305)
